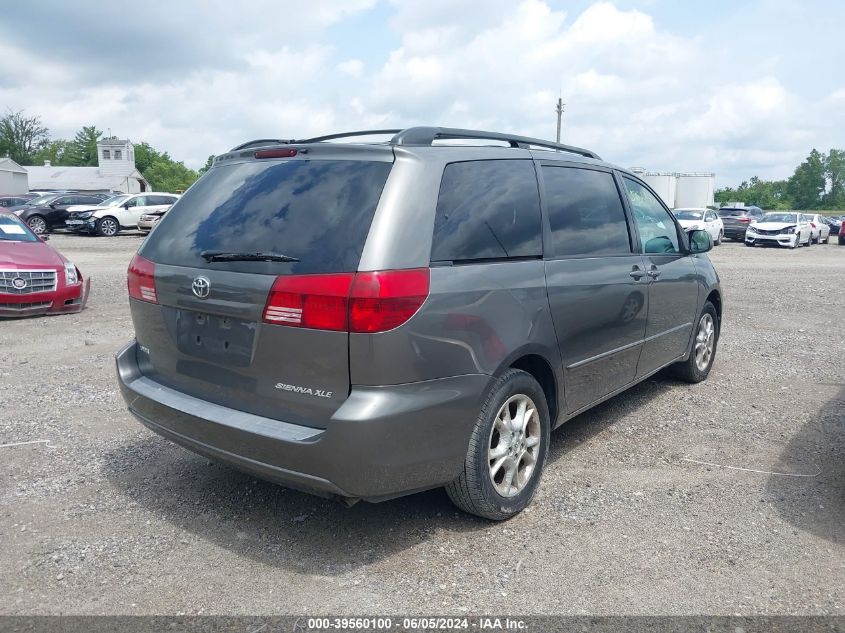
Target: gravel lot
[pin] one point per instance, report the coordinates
(109, 518)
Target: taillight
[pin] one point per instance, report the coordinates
(140, 279)
(365, 302)
(320, 302)
(383, 300)
(744, 219)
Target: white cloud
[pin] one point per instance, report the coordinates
(636, 92)
(351, 67)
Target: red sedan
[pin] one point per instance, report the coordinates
(34, 277)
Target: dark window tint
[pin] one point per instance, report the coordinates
(486, 210)
(318, 211)
(732, 213)
(585, 213)
(89, 200)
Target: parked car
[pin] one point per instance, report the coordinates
(108, 221)
(13, 201)
(149, 220)
(736, 220)
(701, 219)
(780, 228)
(78, 215)
(49, 212)
(819, 228)
(413, 331)
(834, 223)
(34, 277)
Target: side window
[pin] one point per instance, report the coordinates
(710, 216)
(487, 209)
(65, 200)
(117, 154)
(89, 200)
(133, 202)
(657, 230)
(106, 154)
(585, 213)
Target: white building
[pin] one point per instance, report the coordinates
(12, 178)
(115, 171)
(681, 190)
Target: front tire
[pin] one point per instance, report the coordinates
(107, 227)
(697, 367)
(507, 450)
(719, 239)
(38, 224)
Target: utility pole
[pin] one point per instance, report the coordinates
(560, 107)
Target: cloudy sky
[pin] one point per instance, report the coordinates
(739, 88)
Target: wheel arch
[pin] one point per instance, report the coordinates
(535, 361)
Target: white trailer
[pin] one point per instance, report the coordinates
(695, 190)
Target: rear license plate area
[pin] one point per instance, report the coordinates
(215, 338)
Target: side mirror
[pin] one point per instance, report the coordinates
(52, 205)
(125, 205)
(700, 242)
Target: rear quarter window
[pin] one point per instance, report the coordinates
(487, 209)
(318, 211)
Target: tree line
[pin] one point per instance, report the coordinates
(818, 183)
(27, 141)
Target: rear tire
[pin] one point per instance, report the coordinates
(720, 238)
(703, 351)
(483, 489)
(107, 226)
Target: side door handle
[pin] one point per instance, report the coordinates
(636, 272)
(654, 272)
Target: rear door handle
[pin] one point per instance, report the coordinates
(654, 272)
(636, 272)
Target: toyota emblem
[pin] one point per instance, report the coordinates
(201, 287)
(19, 283)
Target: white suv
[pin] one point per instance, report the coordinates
(122, 212)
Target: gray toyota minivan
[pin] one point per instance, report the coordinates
(364, 319)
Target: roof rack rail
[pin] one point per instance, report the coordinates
(427, 136)
(331, 137)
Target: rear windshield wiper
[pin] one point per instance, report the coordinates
(228, 256)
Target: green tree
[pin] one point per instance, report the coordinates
(55, 151)
(145, 156)
(169, 175)
(21, 136)
(835, 174)
(207, 165)
(807, 185)
(82, 150)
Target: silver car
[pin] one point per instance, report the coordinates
(366, 320)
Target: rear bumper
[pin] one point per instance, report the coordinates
(735, 232)
(381, 443)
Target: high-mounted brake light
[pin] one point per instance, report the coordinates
(287, 152)
(366, 302)
(140, 278)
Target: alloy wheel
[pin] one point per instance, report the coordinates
(108, 227)
(514, 445)
(38, 225)
(705, 341)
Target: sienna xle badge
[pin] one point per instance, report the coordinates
(365, 320)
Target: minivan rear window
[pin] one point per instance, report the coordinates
(318, 211)
(732, 213)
